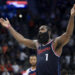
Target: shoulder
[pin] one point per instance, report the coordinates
(36, 43)
(27, 71)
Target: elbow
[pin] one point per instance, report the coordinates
(20, 41)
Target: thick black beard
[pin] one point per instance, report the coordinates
(43, 38)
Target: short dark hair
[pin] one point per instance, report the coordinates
(32, 55)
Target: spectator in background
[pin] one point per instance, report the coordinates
(67, 59)
(23, 56)
(5, 48)
(9, 66)
(18, 57)
(5, 72)
(32, 69)
(2, 67)
(15, 68)
(22, 69)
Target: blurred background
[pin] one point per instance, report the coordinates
(26, 16)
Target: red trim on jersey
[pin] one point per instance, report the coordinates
(43, 50)
(33, 73)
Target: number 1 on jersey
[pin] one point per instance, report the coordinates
(46, 57)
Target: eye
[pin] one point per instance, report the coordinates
(42, 28)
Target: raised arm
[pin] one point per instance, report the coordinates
(16, 35)
(64, 38)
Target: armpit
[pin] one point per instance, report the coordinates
(58, 45)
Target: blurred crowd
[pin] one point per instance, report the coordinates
(55, 14)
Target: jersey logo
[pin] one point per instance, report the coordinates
(43, 50)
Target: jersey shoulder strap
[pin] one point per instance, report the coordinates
(27, 71)
(52, 47)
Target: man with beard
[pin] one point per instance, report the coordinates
(32, 69)
(48, 51)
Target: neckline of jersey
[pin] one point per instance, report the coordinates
(47, 43)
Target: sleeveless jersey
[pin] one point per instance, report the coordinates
(47, 61)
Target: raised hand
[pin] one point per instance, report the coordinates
(73, 11)
(5, 23)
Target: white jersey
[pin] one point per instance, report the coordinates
(29, 71)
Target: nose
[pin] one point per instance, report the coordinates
(41, 31)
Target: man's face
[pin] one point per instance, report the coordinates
(33, 60)
(43, 29)
(43, 35)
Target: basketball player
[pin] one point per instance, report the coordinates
(32, 69)
(48, 51)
